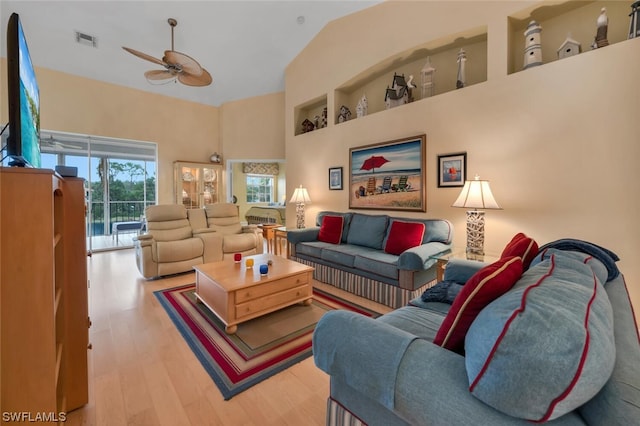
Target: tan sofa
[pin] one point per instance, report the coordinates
(178, 238)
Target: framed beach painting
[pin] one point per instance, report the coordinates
(389, 175)
(452, 169)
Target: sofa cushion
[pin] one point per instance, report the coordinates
(170, 230)
(345, 226)
(311, 248)
(367, 230)
(546, 347)
(342, 254)
(403, 236)
(522, 246)
(420, 322)
(482, 288)
(378, 262)
(438, 230)
(331, 229)
(598, 268)
(179, 250)
(606, 256)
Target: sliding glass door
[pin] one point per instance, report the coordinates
(120, 180)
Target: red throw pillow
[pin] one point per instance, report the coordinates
(523, 247)
(331, 229)
(403, 236)
(482, 288)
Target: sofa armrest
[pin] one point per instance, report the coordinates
(295, 236)
(421, 257)
(460, 270)
(251, 228)
(350, 353)
(143, 240)
(419, 381)
(432, 387)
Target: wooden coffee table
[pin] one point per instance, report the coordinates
(237, 294)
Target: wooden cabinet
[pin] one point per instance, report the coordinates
(197, 184)
(44, 302)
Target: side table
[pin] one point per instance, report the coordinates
(455, 253)
(268, 233)
(279, 238)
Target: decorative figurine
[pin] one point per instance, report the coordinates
(316, 122)
(427, 75)
(307, 126)
(461, 80)
(363, 107)
(634, 28)
(569, 47)
(398, 94)
(344, 115)
(215, 158)
(603, 25)
(532, 46)
(323, 119)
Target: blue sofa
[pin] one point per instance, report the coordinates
(562, 366)
(359, 263)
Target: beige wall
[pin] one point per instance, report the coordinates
(559, 142)
(183, 130)
(253, 128)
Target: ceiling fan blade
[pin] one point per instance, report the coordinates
(155, 75)
(144, 56)
(186, 62)
(204, 79)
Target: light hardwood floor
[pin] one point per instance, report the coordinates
(142, 372)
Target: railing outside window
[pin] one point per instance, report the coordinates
(121, 211)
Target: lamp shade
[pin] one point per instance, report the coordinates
(476, 194)
(300, 195)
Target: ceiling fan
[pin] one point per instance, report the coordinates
(178, 66)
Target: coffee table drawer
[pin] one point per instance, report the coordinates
(260, 291)
(273, 301)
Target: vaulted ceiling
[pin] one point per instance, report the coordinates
(245, 45)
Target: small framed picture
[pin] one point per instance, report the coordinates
(452, 169)
(335, 178)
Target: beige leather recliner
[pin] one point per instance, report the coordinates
(230, 235)
(178, 238)
(171, 245)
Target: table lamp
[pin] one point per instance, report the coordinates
(300, 197)
(476, 194)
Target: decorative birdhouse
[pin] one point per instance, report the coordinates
(461, 79)
(427, 76)
(569, 47)
(634, 25)
(398, 93)
(307, 126)
(344, 115)
(532, 46)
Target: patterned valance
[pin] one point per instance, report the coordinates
(261, 168)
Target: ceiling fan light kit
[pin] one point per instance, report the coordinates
(177, 66)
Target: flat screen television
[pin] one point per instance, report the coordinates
(23, 143)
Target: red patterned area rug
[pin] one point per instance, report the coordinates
(260, 348)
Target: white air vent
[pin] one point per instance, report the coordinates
(86, 39)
